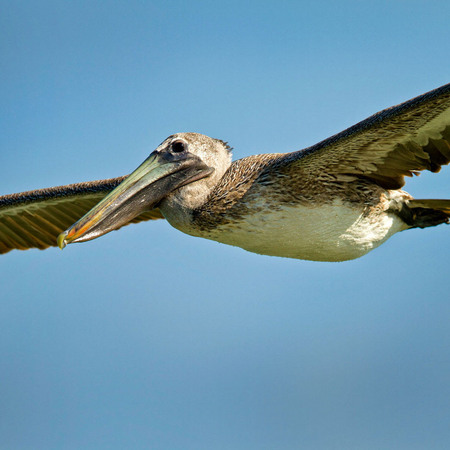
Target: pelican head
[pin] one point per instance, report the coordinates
(177, 177)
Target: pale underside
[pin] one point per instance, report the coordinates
(333, 232)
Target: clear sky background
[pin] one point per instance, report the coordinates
(148, 338)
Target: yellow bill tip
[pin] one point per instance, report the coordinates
(62, 240)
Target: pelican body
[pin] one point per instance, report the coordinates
(334, 201)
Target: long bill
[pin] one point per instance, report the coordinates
(141, 191)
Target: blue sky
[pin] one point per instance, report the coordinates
(147, 338)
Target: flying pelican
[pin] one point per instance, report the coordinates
(334, 201)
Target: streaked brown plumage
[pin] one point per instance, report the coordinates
(333, 201)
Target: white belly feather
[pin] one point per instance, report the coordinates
(321, 233)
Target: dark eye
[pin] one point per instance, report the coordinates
(178, 146)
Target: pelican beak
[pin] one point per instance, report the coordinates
(160, 174)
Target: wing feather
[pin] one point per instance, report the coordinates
(394, 143)
(34, 219)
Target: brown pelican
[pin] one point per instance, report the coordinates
(334, 201)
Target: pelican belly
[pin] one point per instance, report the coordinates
(333, 232)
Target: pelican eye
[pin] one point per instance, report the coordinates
(178, 147)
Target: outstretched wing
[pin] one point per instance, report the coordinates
(395, 142)
(34, 219)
